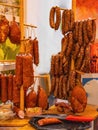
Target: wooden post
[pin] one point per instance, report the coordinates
(22, 35)
(74, 7)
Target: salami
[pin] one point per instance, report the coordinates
(51, 17)
(4, 90)
(52, 69)
(19, 70)
(36, 51)
(58, 17)
(16, 92)
(93, 30)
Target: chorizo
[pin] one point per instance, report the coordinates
(36, 51)
(4, 90)
(16, 92)
(56, 90)
(10, 87)
(53, 82)
(51, 17)
(47, 121)
(89, 29)
(85, 33)
(64, 44)
(80, 33)
(28, 72)
(19, 70)
(58, 17)
(55, 21)
(93, 30)
(70, 44)
(52, 69)
(63, 22)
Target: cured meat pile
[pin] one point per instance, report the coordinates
(74, 57)
(9, 29)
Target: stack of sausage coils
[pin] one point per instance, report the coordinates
(75, 46)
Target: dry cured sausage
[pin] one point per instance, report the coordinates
(36, 51)
(28, 71)
(19, 70)
(16, 92)
(10, 87)
(4, 90)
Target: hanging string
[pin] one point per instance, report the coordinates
(13, 17)
(34, 34)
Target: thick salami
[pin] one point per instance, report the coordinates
(28, 72)
(19, 70)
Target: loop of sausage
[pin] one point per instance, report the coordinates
(55, 17)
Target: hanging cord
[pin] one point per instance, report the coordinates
(34, 33)
(13, 16)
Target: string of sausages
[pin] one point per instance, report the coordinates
(75, 49)
(10, 91)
